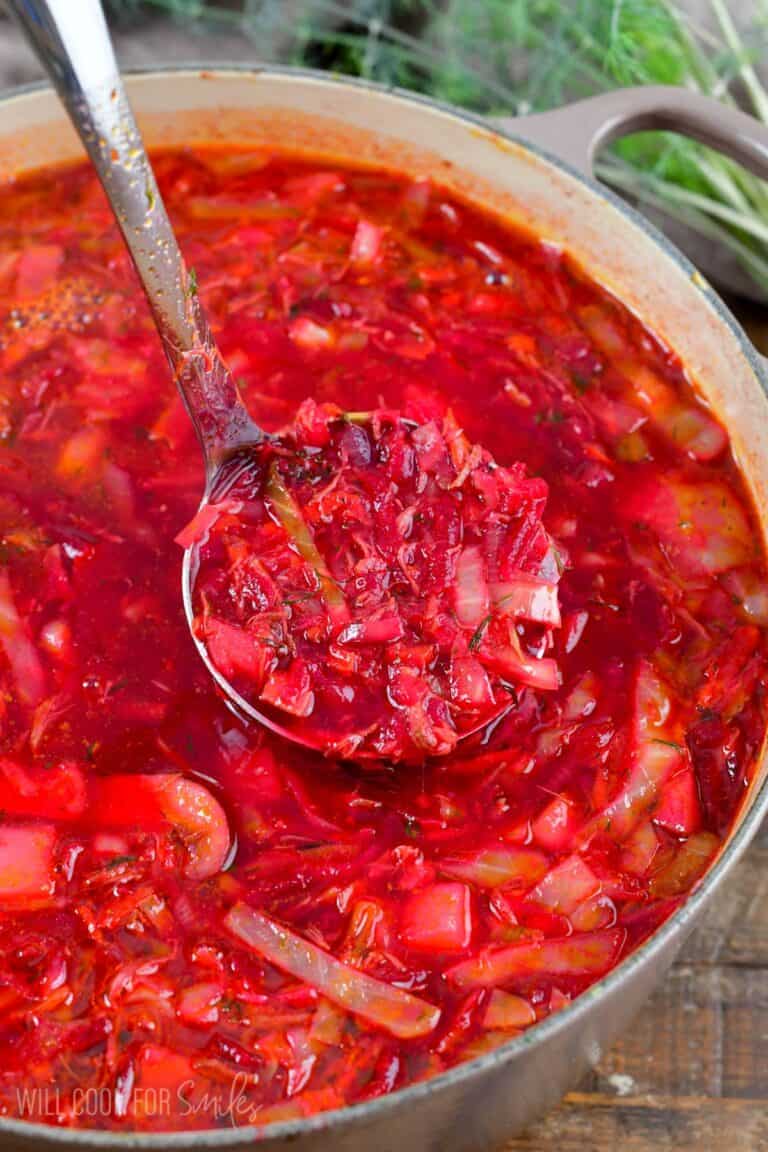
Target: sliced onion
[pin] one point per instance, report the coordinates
(584, 954)
(366, 243)
(396, 1011)
(507, 1011)
(494, 867)
(527, 598)
(20, 652)
(687, 866)
(290, 516)
(471, 588)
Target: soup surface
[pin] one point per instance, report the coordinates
(201, 925)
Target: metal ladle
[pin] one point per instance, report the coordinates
(72, 42)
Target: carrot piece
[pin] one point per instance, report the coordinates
(83, 454)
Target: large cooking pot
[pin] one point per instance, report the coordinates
(534, 171)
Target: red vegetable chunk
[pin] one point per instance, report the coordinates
(26, 865)
(439, 919)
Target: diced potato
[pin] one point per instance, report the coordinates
(702, 528)
(438, 919)
(366, 244)
(555, 825)
(471, 597)
(26, 865)
(639, 849)
(678, 809)
(566, 886)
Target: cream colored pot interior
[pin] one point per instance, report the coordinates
(367, 126)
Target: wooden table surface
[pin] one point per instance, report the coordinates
(691, 1074)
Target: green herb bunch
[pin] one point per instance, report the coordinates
(514, 56)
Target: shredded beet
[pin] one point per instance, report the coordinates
(385, 586)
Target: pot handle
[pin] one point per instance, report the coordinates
(577, 131)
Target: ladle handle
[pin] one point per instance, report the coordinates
(72, 42)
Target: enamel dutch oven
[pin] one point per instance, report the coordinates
(535, 172)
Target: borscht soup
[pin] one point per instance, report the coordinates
(517, 567)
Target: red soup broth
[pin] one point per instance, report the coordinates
(193, 910)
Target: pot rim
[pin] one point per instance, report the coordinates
(678, 923)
